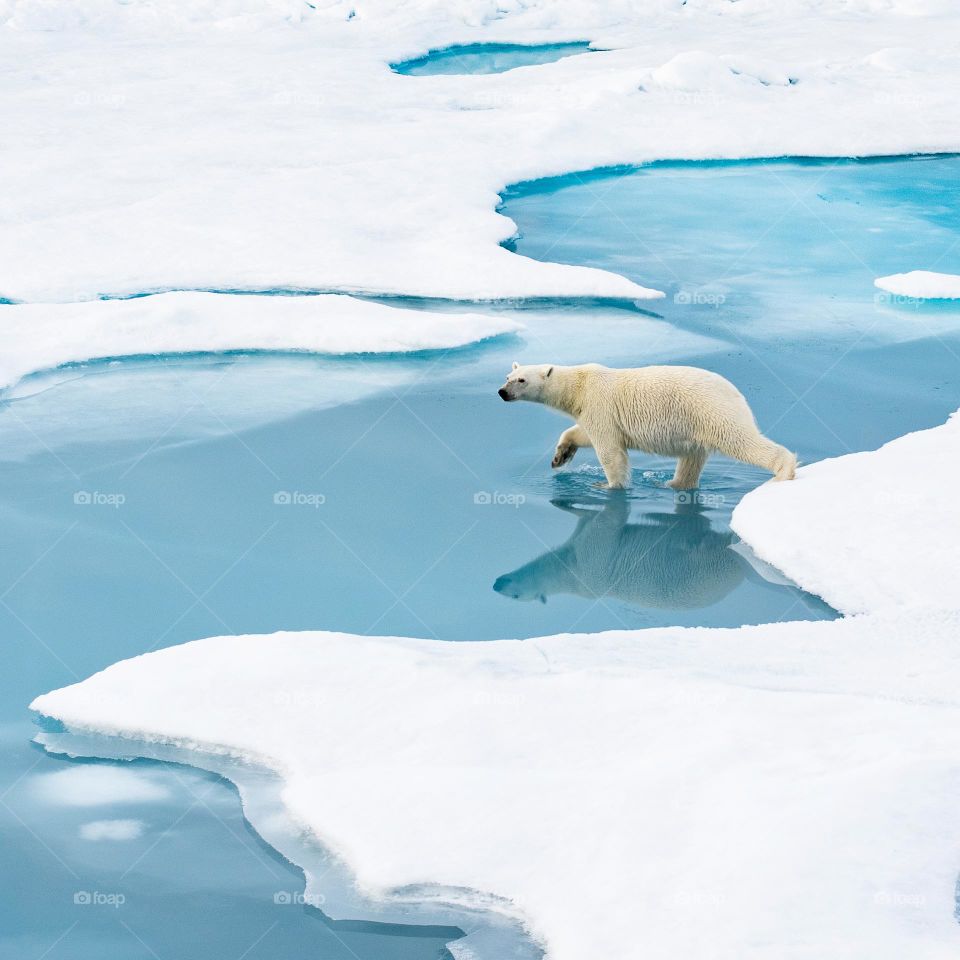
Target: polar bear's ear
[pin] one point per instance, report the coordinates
(515, 365)
(549, 371)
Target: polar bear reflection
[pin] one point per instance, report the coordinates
(667, 560)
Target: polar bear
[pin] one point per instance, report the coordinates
(681, 412)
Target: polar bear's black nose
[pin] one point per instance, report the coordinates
(502, 393)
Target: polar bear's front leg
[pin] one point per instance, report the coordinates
(616, 465)
(568, 444)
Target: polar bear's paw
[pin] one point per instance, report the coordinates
(786, 466)
(563, 454)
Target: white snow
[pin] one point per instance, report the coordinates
(921, 285)
(94, 785)
(868, 531)
(254, 144)
(44, 336)
(119, 830)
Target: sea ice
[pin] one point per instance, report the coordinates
(922, 285)
(867, 531)
(259, 145)
(46, 335)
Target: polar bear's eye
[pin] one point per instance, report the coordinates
(521, 380)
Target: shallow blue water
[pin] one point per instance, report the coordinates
(145, 504)
(487, 58)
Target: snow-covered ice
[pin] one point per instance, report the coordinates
(42, 336)
(780, 791)
(771, 792)
(868, 531)
(921, 285)
(264, 145)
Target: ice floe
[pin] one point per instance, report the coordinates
(43, 336)
(868, 531)
(921, 285)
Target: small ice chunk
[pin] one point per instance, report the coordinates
(921, 285)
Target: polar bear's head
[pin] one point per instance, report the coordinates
(526, 383)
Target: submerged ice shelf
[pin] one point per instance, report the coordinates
(320, 904)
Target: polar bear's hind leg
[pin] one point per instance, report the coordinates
(762, 452)
(687, 474)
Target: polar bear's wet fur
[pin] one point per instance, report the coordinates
(681, 412)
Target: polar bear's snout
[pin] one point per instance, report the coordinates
(524, 383)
